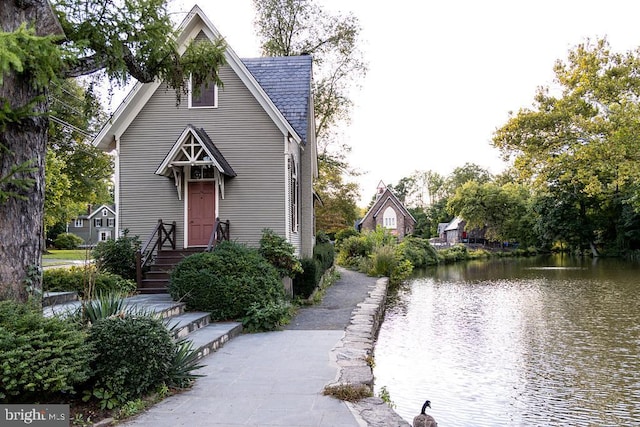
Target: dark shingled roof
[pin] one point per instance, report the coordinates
(287, 81)
(226, 167)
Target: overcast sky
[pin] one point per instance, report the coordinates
(444, 75)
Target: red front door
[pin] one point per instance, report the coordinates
(201, 212)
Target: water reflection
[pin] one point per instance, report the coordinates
(551, 341)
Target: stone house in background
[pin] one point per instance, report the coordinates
(388, 212)
(95, 226)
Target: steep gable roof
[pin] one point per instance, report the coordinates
(100, 208)
(386, 196)
(287, 81)
(195, 23)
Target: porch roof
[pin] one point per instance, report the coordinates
(199, 151)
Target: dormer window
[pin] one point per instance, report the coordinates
(205, 97)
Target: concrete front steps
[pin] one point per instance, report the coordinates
(206, 337)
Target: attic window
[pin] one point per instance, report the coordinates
(205, 97)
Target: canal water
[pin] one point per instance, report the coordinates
(550, 341)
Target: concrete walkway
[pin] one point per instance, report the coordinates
(274, 378)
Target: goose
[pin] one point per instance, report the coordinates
(424, 420)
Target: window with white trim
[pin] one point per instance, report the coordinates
(389, 218)
(104, 212)
(78, 223)
(206, 95)
(97, 222)
(104, 235)
(294, 196)
(111, 222)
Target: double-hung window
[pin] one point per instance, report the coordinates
(204, 96)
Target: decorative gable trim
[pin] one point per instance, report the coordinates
(194, 148)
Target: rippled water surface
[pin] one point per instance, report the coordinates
(534, 342)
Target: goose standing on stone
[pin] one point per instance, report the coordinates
(424, 420)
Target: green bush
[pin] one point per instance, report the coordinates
(308, 280)
(118, 256)
(455, 253)
(322, 237)
(387, 261)
(353, 250)
(39, 357)
(267, 317)
(134, 355)
(344, 234)
(419, 251)
(67, 241)
(85, 280)
(280, 253)
(325, 254)
(226, 282)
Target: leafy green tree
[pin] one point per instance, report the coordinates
(463, 174)
(579, 144)
(77, 173)
(487, 205)
(38, 48)
(302, 27)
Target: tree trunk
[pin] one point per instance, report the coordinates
(21, 217)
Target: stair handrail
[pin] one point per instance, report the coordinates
(153, 244)
(219, 233)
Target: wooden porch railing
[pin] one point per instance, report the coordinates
(220, 232)
(162, 234)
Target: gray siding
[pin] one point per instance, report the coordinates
(246, 137)
(307, 216)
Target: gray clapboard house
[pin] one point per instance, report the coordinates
(244, 153)
(97, 225)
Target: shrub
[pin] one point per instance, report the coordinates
(387, 261)
(322, 237)
(344, 234)
(67, 241)
(118, 256)
(267, 317)
(134, 354)
(455, 253)
(305, 282)
(226, 282)
(40, 356)
(85, 280)
(325, 254)
(419, 251)
(183, 363)
(353, 249)
(280, 253)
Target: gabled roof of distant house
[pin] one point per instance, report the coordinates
(195, 23)
(100, 208)
(454, 224)
(287, 81)
(387, 195)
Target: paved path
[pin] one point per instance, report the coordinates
(274, 378)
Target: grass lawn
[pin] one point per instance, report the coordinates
(70, 255)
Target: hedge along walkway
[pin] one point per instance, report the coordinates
(277, 378)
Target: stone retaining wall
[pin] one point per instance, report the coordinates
(354, 354)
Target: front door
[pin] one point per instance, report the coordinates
(201, 212)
